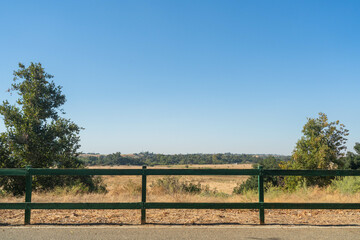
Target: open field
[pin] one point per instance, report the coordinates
(127, 189)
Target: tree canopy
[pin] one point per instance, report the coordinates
(36, 134)
(352, 160)
(321, 147)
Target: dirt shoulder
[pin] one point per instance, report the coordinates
(184, 217)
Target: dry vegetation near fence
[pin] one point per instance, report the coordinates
(187, 189)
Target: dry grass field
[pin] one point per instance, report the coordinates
(128, 189)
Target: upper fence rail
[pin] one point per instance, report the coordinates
(247, 172)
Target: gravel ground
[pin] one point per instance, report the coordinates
(183, 217)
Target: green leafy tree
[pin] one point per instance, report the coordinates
(321, 147)
(36, 134)
(352, 160)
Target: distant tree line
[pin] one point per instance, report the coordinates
(151, 159)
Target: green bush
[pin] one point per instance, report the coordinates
(170, 185)
(79, 187)
(190, 188)
(269, 181)
(346, 185)
(2, 193)
(250, 184)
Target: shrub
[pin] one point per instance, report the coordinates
(206, 192)
(79, 187)
(269, 181)
(170, 185)
(190, 188)
(250, 184)
(2, 193)
(346, 185)
(132, 188)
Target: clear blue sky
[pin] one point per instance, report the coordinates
(191, 76)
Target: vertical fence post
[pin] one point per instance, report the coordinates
(28, 190)
(261, 195)
(143, 196)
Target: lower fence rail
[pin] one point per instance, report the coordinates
(172, 205)
(144, 205)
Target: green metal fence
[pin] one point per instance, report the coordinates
(143, 205)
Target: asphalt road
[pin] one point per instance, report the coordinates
(178, 232)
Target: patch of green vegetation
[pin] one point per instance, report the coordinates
(78, 188)
(269, 181)
(170, 185)
(346, 185)
(132, 188)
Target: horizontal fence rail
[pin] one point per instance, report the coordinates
(247, 172)
(143, 205)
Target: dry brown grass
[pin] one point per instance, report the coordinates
(119, 187)
(128, 189)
